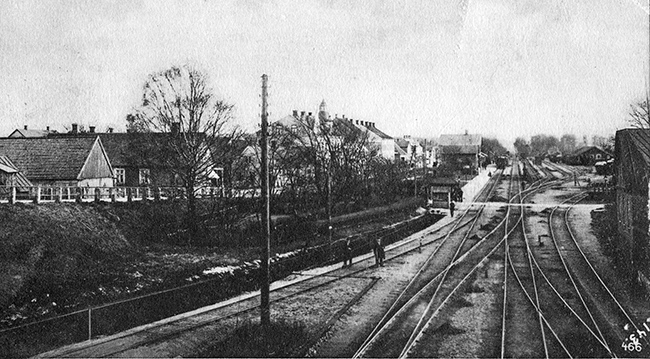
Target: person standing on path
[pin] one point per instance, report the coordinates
(452, 207)
(347, 255)
(576, 182)
(378, 251)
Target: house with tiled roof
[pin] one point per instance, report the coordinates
(10, 176)
(27, 133)
(144, 159)
(72, 161)
(587, 156)
(461, 152)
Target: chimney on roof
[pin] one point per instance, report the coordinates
(310, 114)
(350, 120)
(110, 130)
(75, 128)
(25, 126)
(91, 129)
(47, 128)
(343, 116)
(466, 132)
(295, 113)
(356, 122)
(302, 114)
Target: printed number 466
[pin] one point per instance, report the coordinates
(632, 346)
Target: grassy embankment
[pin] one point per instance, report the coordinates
(56, 257)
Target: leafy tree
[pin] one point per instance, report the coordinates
(522, 147)
(493, 148)
(541, 144)
(180, 103)
(568, 143)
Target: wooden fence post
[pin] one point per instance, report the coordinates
(12, 199)
(111, 194)
(97, 195)
(59, 194)
(129, 194)
(37, 198)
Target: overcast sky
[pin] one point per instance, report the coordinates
(502, 68)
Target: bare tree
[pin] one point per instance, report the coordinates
(180, 103)
(639, 115)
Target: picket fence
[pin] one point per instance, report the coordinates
(49, 194)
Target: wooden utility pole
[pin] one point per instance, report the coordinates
(265, 310)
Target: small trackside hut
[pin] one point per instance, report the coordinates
(632, 171)
(440, 193)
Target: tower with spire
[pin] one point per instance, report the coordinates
(323, 114)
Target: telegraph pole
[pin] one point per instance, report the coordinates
(424, 168)
(265, 310)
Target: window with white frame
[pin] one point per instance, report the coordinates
(145, 178)
(120, 175)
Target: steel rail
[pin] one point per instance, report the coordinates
(415, 331)
(420, 332)
(573, 283)
(625, 313)
(533, 188)
(559, 295)
(538, 309)
(390, 315)
(368, 341)
(532, 274)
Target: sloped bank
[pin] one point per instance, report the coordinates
(198, 287)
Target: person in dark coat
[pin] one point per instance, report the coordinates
(452, 207)
(378, 251)
(347, 255)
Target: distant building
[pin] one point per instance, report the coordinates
(27, 133)
(587, 156)
(383, 142)
(73, 161)
(461, 152)
(632, 166)
(142, 159)
(413, 150)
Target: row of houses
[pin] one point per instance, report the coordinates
(462, 151)
(111, 159)
(89, 159)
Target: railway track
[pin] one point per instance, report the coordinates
(401, 331)
(574, 316)
(422, 285)
(583, 292)
(285, 293)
